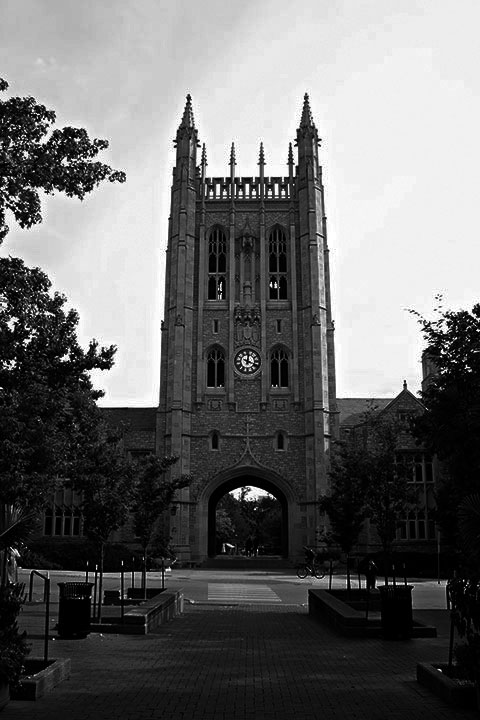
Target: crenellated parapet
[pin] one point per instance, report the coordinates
(246, 188)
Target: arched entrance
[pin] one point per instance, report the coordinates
(239, 481)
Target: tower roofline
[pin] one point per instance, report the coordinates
(306, 121)
(188, 121)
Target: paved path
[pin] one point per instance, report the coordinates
(238, 662)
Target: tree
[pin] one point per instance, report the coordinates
(345, 504)
(367, 482)
(388, 495)
(243, 517)
(35, 157)
(224, 526)
(104, 476)
(153, 492)
(47, 401)
(450, 426)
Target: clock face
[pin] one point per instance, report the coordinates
(247, 361)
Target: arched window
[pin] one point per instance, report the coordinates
(277, 264)
(216, 368)
(279, 369)
(214, 440)
(217, 265)
(280, 441)
(48, 522)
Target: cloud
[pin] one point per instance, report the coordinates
(45, 64)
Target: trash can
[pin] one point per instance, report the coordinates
(74, 609)
(396, 611)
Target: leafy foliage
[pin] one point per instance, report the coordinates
(47, 401)
(34, 157)
(465, 598)
(345, 505)
(104, 475)
(13, 645)
(469, 527)
(16, 525)
(388, 495)
(368, 483)
(152, 494)
(450, 427)
(243, 517)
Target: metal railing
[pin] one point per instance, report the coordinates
(46, 600)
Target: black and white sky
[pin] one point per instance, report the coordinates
(395, 93)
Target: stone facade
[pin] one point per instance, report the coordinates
(247, 392)
(247, 387)
(417, 531)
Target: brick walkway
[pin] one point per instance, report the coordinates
(236, 663)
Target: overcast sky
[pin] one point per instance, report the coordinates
(395, 92)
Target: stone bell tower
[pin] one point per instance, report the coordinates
(247, 391)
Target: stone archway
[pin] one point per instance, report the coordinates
(241, 480)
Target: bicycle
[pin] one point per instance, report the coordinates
(306, 569)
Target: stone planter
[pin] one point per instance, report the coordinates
(40, 678)
(138, 593)
(456, 691)
(331, 608)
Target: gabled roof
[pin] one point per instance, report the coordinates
(133, 418)
(352, 410)
(404, 399)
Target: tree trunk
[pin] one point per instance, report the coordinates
(100, 582)
(144, 573)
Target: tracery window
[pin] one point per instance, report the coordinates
(217, 265)
(63, 517)
(216, 368)
(279, 368)
(416, 469)
(277, 264)
(417, 526)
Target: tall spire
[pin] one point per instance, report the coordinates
(261, 155)
(186, 142)
(307, 119)
(188, 119)
(232, 155)
(307, 141)
(290, 154)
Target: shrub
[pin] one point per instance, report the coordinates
(13, 645)
(73, 554)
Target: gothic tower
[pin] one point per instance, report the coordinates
(247, 390)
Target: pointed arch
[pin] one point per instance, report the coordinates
(217, 264)
(215, 440)
(281, 441)
(279, 367)
(215, 357)
(277, 264)
(240, 476)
